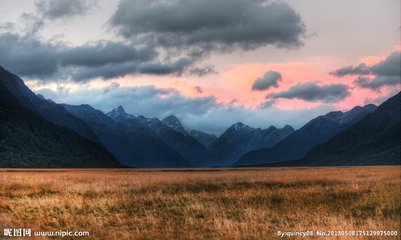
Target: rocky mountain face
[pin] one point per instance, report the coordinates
(174, 123)
(240, 139)
(171, 132)
(119, 114)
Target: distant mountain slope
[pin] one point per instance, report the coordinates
(28, 140)
(171, 133)
(49, 110)
(240, 139)
(205, 138)
(132, 143)
(375, 140)
(317, 131)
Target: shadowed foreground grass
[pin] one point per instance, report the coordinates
(202, 204)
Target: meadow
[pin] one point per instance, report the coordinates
(202, 204)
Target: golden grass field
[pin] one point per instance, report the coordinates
(202, 204)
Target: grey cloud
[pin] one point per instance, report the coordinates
(269, 80)
(268, 103)
(52, 10)
(198, 89)
(312, 92)
(105, 72)
(384, 73)
(361, 69)
(32, 23)
(56, 9)
(202, 71)
(103, 52)
(6, 26)
(377, 82)
(173, 67)
(110, 71)
(28, 56)
(112, 86)
(391, 66)
(209, 24)
(162, 38)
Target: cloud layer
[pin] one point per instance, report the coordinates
(158, 37)
(56, 9)
(384, 73)
(30, 57)
(269, 80)
(209, 24)
(311, 92)
(53, 10)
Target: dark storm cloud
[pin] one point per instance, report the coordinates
(209, 24)
(270, 79)
(384, 73)
(312, 92)
(27, 56)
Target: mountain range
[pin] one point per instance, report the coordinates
(317, 131)
(36, 132)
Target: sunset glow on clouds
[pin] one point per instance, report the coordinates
(203, 69)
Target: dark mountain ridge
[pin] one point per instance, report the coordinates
(28, 140)
(49, 110)
(375, 140)
(316, 131)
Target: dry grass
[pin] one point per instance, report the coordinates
(224, 204)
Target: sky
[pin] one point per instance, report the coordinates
(211, 63)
